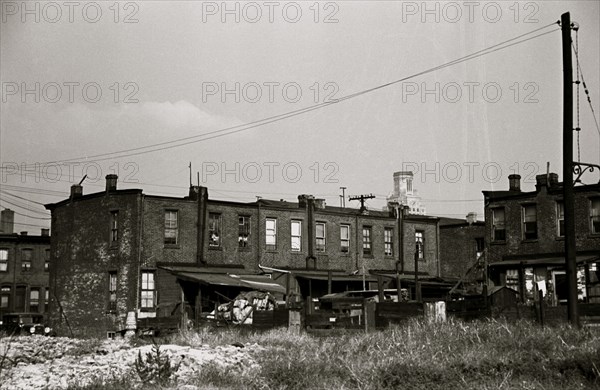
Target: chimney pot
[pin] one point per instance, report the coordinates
(541, 181)
(111, 182)
(514, 182)
(76, 191)
(7, 221)
(45, 232)
(471, 218)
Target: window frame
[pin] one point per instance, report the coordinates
(296, 238)
(112, 291)
(244, 230)
(594, 215)
(345, 248)
(214, 230)
(148, 294)
(497, 226)
(367, 240)
(114, 226)
(4, 261)
(168, 229)
(388, 241)
(271, 233)
(26, 261)
(34, 303)
(420, 244)
(320, 239)
(529, 228)
(560, 218)
(5, 294)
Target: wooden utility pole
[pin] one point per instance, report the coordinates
(569, 198)
(362, 199)
(343, 197)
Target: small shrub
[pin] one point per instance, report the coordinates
(156, 368)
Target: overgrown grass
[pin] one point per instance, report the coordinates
(417, 355)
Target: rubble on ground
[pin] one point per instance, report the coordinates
(38, 362)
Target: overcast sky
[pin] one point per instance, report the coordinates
(168, 70)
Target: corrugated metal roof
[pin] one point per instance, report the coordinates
(542, 261)
(253, 282)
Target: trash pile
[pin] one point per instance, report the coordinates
(239, 311)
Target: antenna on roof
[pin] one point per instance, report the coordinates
(190, 166)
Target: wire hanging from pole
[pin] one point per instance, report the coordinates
(577, 82)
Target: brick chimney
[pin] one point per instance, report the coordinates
(541, 181)
(45, 232)
(7, 221)
(24, 233)
(471, 218)
(514, 183)
(76, 191)
(553, 180)
(320, 204)
(111, 182)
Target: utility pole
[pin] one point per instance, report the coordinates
(343, 197)
(569, 198)
(417, 286)
(362, 199)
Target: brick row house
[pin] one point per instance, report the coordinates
(525, 239)
(119, 251)
(24, 269)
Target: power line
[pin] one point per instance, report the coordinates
(20, 197)
(250, 125)
(20, 206)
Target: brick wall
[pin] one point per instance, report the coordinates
(458, 249)
(26, 280)
(83, 255)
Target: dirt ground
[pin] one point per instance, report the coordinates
(38, 362)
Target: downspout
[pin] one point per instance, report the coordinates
(437, 244)
(310, 215)
(356, 252)
(202, 200)
(258, 235)
(140, 241)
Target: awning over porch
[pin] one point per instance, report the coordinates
(541, 261)
(252, 282)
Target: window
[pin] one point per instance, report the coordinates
(271, 233)
(366, 240)
(114, 226)
(388, 243)
(409, 185)
(498, 227)
(420, 245)
(479, 246)
(3, 260)
(529, 222)
(4, 297)
(171, 227)
(321, 236)
(46, 299)
(512, 279)
(34, 300)
(214, 230)
(112, 291)
(244, 231)
(560, 219)
(148, 292)
(26, 256)
(296, 236)
(345, 238)
(47, 260)
(595, 216)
